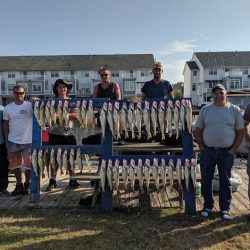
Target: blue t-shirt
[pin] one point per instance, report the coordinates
(1, 125)
(153, 90)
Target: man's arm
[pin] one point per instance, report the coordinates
(171, 94)
(117, 91)
(246, 134)
(199, 137)
(237, 141)
(95, 92)
(5, 130)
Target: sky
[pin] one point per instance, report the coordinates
(171, 30)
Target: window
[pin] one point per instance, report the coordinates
(54, 74)
(144, 73)
(131, 73)
(193, 87)
(195, 73)
(235, 84)
(10, 86)
(115, 73)
(11, 75)
(36, 87)
(212, 72)
(129, 86)
(245, 84)
(245, 71)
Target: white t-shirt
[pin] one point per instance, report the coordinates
(20, 122)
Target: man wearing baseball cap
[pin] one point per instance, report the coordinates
(157, 87)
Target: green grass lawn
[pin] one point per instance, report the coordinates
(90, 229)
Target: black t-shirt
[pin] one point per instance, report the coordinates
(106, 93)
(153, 90)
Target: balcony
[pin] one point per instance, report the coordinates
(233, 74)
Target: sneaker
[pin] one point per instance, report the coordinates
(52, 185)
(225, 215)
(206, 213)
(4, 193)
(26, 188)
(18, 190)
(73, 184)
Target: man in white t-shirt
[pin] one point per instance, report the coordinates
(17, 127)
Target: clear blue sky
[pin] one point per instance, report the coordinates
(171, 30)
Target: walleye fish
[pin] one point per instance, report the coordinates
(110, 117)
(103, 173)
(34, 160)
(146, 119)
(153, 116)
(41, 163)
(125, 170)
(131, 119)
(156, 172)
(59, 159)
(124, 119)
(161, 119)
(116, 174)
(37, 111)
(169, 117)
(79, 159)
(78, 111)
(66, 113)
(53, 112)
(140, 173)
(132, 174)
(177, 117)
(147, 173)
(178, 170)
(187, 173)
(193, 171)
(42, 115)
(110, 174)
(139, 113)
(53, 160)
(47, 114)
(163, 172)
(183, 114)
(189, 116)
(116, 116)
(103, 118)
(65, 159)
(72, 160)
(46, 160)
(90, 115)
(83, 113)
(171, 173)
(60, 112)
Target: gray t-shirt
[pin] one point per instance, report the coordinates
(219, 123)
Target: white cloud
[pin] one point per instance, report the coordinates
(173, 70)
(179, 47)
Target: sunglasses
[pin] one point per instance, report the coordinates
(19, 93)
(104, 74)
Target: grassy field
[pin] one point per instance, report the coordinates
(90, 229)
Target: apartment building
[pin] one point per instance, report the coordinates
(38, 73)
(206, 69)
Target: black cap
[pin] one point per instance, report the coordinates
(61, 81)
(218, 86)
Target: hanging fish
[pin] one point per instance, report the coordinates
(146, 119)
(34, 160)
(66, 113)
(169, 117)
(140, 173)
(53, 160)
(79, 159)
(156, 172)
(37, 111)
(53, 112)
(147, 173)
(103, 118)
(117, 121)
(83, 114)
(177, 117)
(41, 163)
(187, 173)
(163, 172)
(131, 119)
(103, 173)
(110, 117)
(47, 114)
(46, 161)
(72, 159)
(90, 115)
(124, 119)
(110, 175)
(189, 116)
(59, 159)
(116, 174)
(161, 119)
(65, 159)
(125, 170)
(60, 112)
(153, 116)
(171, 173)
(183, 114)
(193, 171)
(139, 114)
(42, 115)
(178, 170)
(132, 174)
(78, 111)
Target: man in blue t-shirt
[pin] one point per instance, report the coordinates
(157, 88)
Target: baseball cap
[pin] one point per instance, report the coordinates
(218, 86)
(157, 66)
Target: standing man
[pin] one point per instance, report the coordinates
(246, 118)
(17, 127)
(157, 88)
(219, 132)
(3, 160)
(106, 89)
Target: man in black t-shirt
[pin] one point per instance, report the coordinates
(157, 88)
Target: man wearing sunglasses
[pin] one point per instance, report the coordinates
(17, 127)
(106, 89)
(157, 88)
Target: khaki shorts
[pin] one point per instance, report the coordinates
(19, 154)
